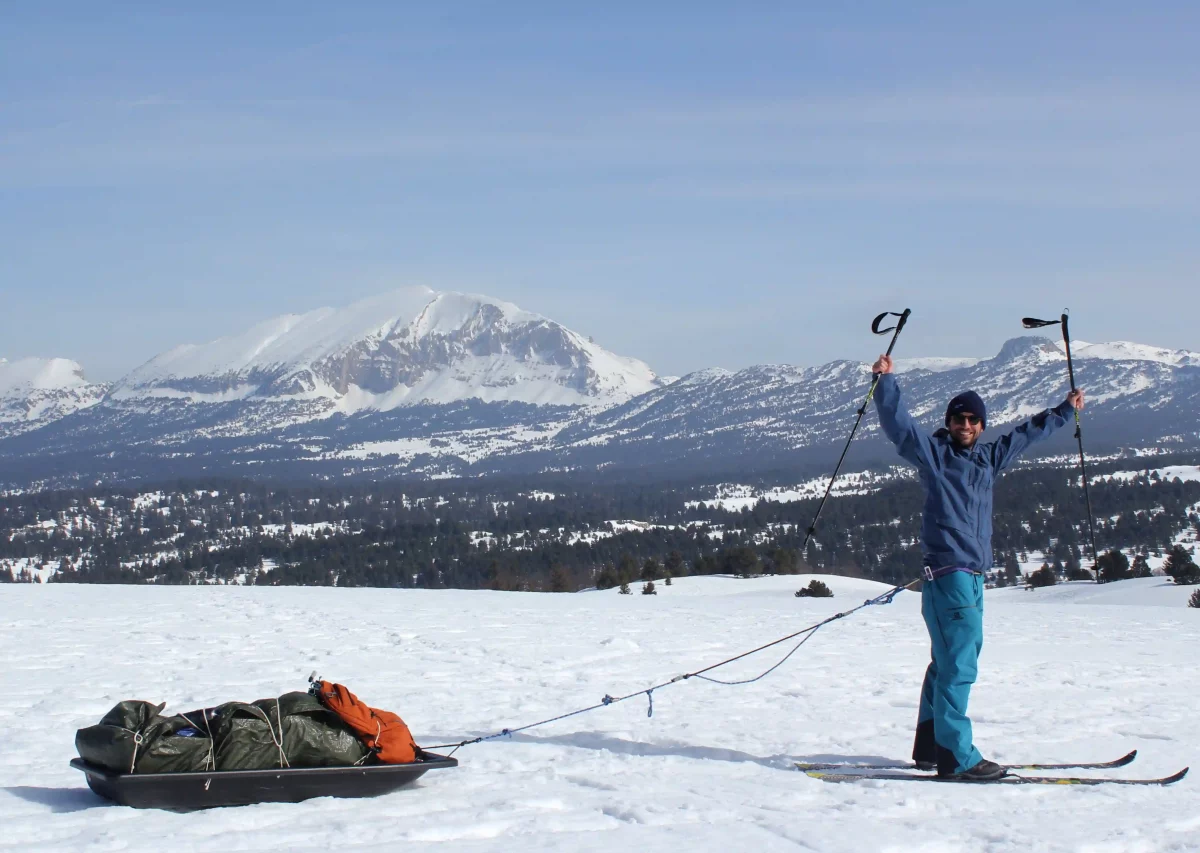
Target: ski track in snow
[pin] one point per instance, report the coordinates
(711, 770)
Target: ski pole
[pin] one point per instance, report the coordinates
(812, 528)
(1033, 323)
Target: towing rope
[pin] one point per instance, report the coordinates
(807, 633)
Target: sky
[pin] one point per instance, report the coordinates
(695, 185)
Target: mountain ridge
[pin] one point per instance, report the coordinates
(415, 383)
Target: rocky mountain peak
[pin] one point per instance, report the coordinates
(408, 347)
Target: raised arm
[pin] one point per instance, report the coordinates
(911, 441)
(1038, 428)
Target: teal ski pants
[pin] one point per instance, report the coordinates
(953, 609)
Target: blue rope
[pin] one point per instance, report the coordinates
(765, 674)
(885, 598)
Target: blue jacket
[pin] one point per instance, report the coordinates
(956, 527)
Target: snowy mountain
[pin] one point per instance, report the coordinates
(38, 391)
(775, 413)
(424, 384)
(408, 347)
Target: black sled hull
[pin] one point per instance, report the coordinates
(205, 790)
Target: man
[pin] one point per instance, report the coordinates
(958, 473)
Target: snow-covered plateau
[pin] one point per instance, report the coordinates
(1070, 673)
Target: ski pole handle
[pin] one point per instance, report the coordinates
(1067, 344)
(899, 327)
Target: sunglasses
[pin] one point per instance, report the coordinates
(966, 419)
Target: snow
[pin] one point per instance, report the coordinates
(448, 312)
(1141, 592)
(35, 391)
(291, 338)
(704, 377)
(1111, 351)
(470, 445)
(934, 364)
(1186, 473)
(39, 374)
(1129, 351)
(1061, 678)
(736, 497)
(492, 378)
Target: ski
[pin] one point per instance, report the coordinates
(1012, 779)
(1080, 765)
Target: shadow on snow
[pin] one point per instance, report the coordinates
(60, 800)
(599, 741)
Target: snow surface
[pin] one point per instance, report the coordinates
(1060, 679)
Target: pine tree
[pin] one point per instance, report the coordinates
(649, 589)
(1113, 566)
(783, 561)
(558, 578)
(624, 588)
(1194, 601)
(674, 565)
(607, 578)
(626, 568)
(742, 561)
(1074, 570)
(1045, 576)
(1181, 567)
(815, 589)
(651, 569)
(1012, 568)
(1140, 567)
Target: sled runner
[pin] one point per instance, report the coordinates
(190, 791)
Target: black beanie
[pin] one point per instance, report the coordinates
(968, 402)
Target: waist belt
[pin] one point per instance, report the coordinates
(930, 573)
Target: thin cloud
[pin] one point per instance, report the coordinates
(150, 101)
(1087, 146)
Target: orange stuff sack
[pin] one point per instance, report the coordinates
(383, 732)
